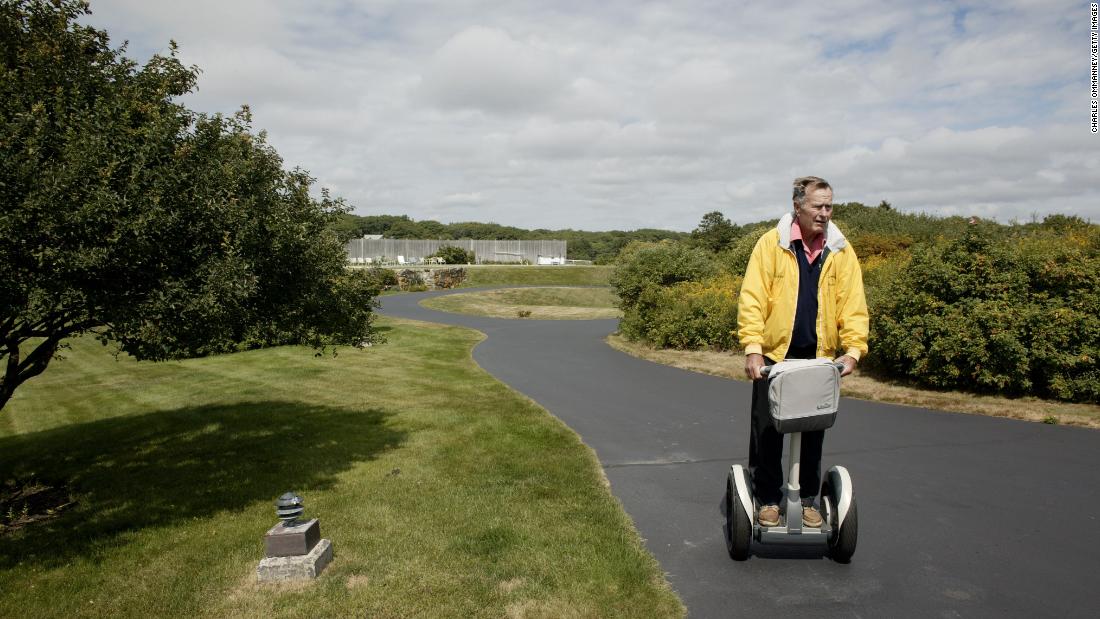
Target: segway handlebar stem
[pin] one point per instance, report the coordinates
(793, 503)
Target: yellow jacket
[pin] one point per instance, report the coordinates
(769, 296)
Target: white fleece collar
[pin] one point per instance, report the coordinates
(834, 238)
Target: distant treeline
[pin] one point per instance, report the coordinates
(600, 247)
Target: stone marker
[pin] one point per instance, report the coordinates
(298, 539)
(294, 549)
(298, 567)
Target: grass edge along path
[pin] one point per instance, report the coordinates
(864, 387)
(538, 303)
(445, 492)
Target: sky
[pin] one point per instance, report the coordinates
(626, 114)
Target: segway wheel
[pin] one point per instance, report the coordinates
(842, 542)
(738, 524)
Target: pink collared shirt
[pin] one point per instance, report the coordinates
(812, 250)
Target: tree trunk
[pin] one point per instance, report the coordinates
(7, 382)
(19, 370)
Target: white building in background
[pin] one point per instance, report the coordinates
(373, 249)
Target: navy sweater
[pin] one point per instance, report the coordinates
(804, 337)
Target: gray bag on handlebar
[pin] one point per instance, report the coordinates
(803, 395)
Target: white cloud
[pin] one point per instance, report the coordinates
(625, 115)
(466, 199)
(586, 98)
(485, 68)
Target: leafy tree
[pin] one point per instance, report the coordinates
(377, 224)
(123, 213)
(474, 230)
(346, 226)
(407, 229)
(714, 231)
(580, 249)
(431, 229)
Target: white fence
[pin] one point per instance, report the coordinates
(410, 251)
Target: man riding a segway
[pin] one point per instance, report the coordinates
(801, 298)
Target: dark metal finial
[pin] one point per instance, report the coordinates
(288, 508)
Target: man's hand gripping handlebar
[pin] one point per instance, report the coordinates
(756, 370)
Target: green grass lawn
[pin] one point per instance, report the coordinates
(541, 303)
(504, 275)
(446, 494)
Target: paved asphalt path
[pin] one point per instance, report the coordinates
(959, 515)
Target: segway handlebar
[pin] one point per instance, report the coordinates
(767, 369)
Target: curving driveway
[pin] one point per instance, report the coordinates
(960, 515)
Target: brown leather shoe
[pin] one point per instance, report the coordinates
(811, 518)
(768, 516)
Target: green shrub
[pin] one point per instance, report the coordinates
(647, 265)
(382, 279)
(691, 315)
(884, 245)
(1012, 309)
(454, 255)
(643, 278)
(1063, 268)
(1015, 313)
(857, 220)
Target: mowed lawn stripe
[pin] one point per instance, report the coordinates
(505, 275)
(545, 303)
(446, 493)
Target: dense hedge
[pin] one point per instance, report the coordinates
(1012, 309)
(645, 281)
(676, 296)
(1014, 314)
(691, 315)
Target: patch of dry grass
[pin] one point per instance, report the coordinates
(552, 303)
(548, 609)
(864, 387)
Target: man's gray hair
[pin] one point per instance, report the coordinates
(806, 184)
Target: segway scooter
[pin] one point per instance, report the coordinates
(803, 396)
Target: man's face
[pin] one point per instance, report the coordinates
(813, 215)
